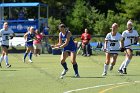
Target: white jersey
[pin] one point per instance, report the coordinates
(5, 36)
(129, 37)
(113, 42)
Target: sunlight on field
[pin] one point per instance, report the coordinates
(42, 76)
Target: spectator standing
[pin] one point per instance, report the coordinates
(86, 37)
(37, 43)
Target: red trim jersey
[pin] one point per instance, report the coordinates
(85, 37)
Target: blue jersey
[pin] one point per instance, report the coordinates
(30, 37)
(71, 45)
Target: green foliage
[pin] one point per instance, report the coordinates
(76, 19)
(82, 17)
(132, 9)
(96, 15)
(53, 25)
(103, 25)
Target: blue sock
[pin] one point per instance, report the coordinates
(25, 55)
(64, 65)
(75, 67)
(30, 55)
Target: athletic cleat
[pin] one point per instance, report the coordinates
(111, 68)
(30, 61)
(124, 71)
(23, 60)
(85, 55)
(77, 75)
(61, 77)
(8, 65)
(64, 72)
(120, 71)
(88, 55)
(104, 74)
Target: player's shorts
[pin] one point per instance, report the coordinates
(113, 54)
(129, 48)
(37, 46)
(69, 50)
(29, 44)
(5, 46)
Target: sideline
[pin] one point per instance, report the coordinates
(98, 86)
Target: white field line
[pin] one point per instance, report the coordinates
(121, 83)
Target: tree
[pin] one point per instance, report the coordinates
(77, 17)
(104, 5)
(103, 25)
(53, 25)
(131, 9)
(82, 16)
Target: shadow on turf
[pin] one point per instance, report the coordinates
(126, 75)
(9, 70)
(84, 77)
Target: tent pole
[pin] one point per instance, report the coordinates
(39, 17)
(47, 12)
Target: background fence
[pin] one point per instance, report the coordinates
(17, 44)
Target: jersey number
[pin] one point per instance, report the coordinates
(112, 44)
(131, 40)
(6, 38)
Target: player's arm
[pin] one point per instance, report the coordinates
(59, 42)
(66, 41)
(105, 45)
(13, 35)
(106, 41)
(136, 39)
(122, 48)
(25, 36)
(122, 42)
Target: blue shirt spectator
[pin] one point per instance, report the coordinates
(45, 30)
(21, 15)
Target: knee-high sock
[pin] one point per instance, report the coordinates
(1, 58)
(122, 65)
(126, 63)
(75, 67)
(105, 68)
(25, 55)
(30, 55)
(64, 65)
(6, 59)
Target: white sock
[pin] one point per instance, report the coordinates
(6, 59)
(126, 63)
(1, 58)
(122, 65)
(105, 68)
(111, 65)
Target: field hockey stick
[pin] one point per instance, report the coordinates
(79, 50)
(25, 42)
(124, 48)
(56, 48)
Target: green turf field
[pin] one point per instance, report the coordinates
(42, 76)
